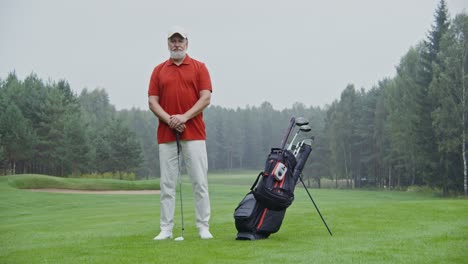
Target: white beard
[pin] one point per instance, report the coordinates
(177, 55)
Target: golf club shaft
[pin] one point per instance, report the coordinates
(298, 149)
(292, 122)
(303, 128)
(310, 196)
(180, 180)
(294, 138)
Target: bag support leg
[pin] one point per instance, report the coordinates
(310, 196)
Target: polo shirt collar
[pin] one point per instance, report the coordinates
(187, 60)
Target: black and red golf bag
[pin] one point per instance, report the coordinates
(262, 210)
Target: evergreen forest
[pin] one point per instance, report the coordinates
(408, 130)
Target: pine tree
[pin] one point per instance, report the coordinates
(429, 159)
(405, 102)
(17, 136)
(450, 93)
(432, 44)
(125, 149)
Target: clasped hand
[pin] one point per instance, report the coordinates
(177, 122)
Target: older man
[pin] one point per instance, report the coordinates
(179, 90)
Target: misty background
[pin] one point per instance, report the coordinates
(277, 51)
(403, 129)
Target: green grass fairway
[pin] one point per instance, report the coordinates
(368, 227)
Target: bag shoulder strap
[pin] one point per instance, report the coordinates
(256, 181)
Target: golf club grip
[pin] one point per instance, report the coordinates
(292, 122)
(177, 136)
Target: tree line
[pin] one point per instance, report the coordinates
(45, 128)
(411, 129)
(406, 130)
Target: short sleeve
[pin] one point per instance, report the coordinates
(153, 89)
(204, 78)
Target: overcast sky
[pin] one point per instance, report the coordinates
(277, 51)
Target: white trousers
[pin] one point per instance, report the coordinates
(194, 155)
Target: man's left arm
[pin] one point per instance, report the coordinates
(196, 109)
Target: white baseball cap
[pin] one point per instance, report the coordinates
(177, 30)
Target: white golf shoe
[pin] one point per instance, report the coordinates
(165, 234)
(205, 233)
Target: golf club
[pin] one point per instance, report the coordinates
(299, 148)
(300, 121)
(181, 238)
(292, 122)
(302, 128)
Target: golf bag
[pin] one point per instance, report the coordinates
(274, 187)
(262, 210)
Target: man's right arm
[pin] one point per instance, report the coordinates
(156, 108)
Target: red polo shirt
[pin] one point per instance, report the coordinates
(178, 89)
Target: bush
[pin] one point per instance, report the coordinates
(127, 176)
(423, 189)
(34, 181)
(326, 183)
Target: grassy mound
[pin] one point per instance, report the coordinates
(34, 181)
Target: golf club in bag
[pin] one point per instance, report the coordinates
(261, 211)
